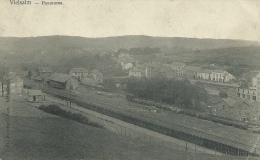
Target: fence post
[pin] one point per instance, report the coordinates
(195, 148)
(177, 145)
(186, 147)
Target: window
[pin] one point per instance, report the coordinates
(223, 107)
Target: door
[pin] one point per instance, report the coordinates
(34, 98)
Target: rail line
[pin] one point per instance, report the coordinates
(165, 127)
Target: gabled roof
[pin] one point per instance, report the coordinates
(11, 75)
(236, 102)
(229, 101)
(244, 86)
(59, 77)
(35, 92)
(218, 71)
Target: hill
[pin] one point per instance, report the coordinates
(61, 43)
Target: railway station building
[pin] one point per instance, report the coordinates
(63, 81)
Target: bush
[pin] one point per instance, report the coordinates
(56, 110)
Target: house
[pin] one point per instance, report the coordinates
(178, 67)
(34, 95)
(250, 87)
(214, 75)
(136, 72)
(79, 73)
(15, 81)
(89, 80)
(44, 71)
(94, 78)
(97, 75)
(63, 81)
(246, 92)
(126, 61)
(190, 71)
(237, 109)
(222, 76)
(204, 74)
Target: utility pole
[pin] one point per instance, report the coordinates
(70, 92)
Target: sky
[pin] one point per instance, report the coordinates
(218, 19)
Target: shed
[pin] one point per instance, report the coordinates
(35, 95)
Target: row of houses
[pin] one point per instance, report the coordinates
(197, 72)
(67, 81)
(152, 69)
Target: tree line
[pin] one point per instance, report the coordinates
(171, 91)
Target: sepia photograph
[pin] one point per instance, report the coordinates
(129, 80)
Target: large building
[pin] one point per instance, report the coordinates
(237, 109)
(44, 71)
(15, 81)
(178, 67)
(63, 81)
(214, 75)
(136, 72)
(79, 73)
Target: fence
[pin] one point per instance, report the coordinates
(135, 132)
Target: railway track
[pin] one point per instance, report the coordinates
(104, 107)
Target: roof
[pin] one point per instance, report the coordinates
(244, 86)
(229, 101)
(96, 71)
(35, 92)
(59, 77)
(11, 75)
(79, 70)
(205, 71)
(192, 68)
(44, 69)
(218, 71)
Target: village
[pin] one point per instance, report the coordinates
(233, 99)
